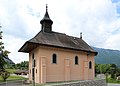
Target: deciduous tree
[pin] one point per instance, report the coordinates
(3, 53)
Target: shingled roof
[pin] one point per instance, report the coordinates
(47, 37)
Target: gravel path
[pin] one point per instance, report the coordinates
(113, 84)
(21, 83)
(14, 83)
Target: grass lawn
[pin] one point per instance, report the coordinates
(13, 78)
(11, 71)
(110, 80)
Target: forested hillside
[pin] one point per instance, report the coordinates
(107, 56)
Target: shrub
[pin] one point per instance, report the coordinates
(5, 75)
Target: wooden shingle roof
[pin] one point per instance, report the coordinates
(55, 39)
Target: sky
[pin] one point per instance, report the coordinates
(98, 20)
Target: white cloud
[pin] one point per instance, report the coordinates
(13, 44)
(97, 19)
(113, 42)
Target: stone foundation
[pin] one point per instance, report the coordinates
(101, 82)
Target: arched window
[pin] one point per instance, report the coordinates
(90, 65)
(54, 58)
(76, 59)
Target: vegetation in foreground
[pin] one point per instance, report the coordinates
(13, 78)
(3, 54)
(22, 65)
(11, 71)
(110, 70)
(111, 80)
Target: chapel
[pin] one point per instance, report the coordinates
(58, 57)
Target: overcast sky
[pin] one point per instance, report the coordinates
(98, 20)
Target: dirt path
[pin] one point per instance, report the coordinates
(14, 83)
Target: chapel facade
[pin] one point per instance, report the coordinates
(57, 56)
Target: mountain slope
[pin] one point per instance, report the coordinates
(107, 56)
(8, 60)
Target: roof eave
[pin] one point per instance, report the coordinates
(25, 48)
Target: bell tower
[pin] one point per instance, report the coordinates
(46, 22)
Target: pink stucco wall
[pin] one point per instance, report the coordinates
(65, 69)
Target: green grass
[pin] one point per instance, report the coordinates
(11, 71)
(110, 80)
(13, 78)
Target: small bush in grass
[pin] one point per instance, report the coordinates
(5, 75)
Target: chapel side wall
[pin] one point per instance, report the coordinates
(56, 72)
(91, 72)
(85, 67)
(30, 67)
(88, 74)
(37, 66)
(77, 72)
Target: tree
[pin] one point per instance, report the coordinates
(117, 72)
(5, 75)
(113, 70)
(23, 65)
(102, 68)
(3, 54)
